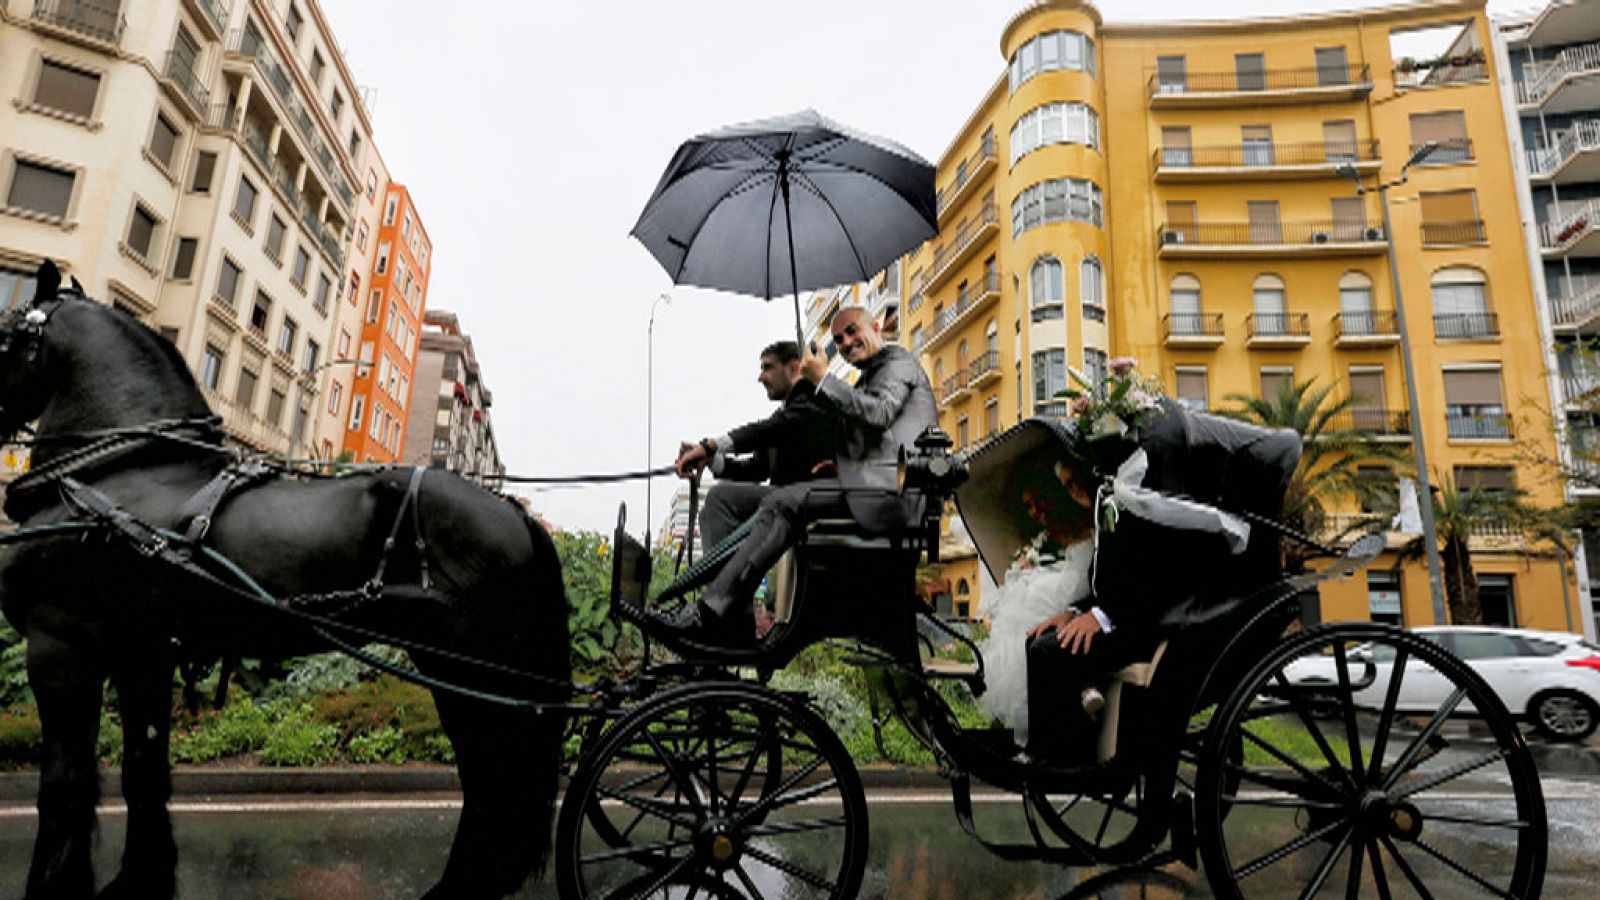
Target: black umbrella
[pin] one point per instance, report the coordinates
(736, 208)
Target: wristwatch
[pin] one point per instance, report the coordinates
(709, 446)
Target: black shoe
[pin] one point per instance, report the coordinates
(692, 622)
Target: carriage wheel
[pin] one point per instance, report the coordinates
(1359, 778)
(714, 791)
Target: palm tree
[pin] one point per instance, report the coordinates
(1457, 514)
(1330, 460)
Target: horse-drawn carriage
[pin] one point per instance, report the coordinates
(696, 777)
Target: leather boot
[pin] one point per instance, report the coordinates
(732, 591)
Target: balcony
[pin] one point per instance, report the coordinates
(1190, 240)
(1478, 425)
(1452, 234)
(970, 173)
(1471, 69)
(1283, 330)
(1379, 424)
(96, 26)
(211, 15)
(1450, 152)
(973, 234)
(1571, 156)
(968, 304)
(1575, 309)
(984, 370)
(1580, 385)
(1262, 162)
(1319, 84)
(1058, 408)
(954, 388)
(184, 86)
(1366, 329)
(1568, 83)
(1575, 233)
(1193, 329)
(1466, 326)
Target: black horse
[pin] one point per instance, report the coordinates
(98, 608)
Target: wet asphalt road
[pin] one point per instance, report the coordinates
(393, 846)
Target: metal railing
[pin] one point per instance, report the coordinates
(1563, 145)
(1453, 150)
(987, 361)
(1578, 386)
(1541, 80)
(1466, 71)
(1278, 324)
(952, 386)
(1352, 75)
(215, 12)
(1317, 153)
(222, 117)
(1366, 324)
(1494, 426)
(1574, 222)
(950, 249)
(181, 72)
(1466, 231)
(1466, 325)
(1373, 421)
(1578, 301)
(965, 171)
(1056, 409)
(988, 284)
(1192, 324)
(1282, 234)
(92, 20)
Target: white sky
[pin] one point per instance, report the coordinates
(530, 135)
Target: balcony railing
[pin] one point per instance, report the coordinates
(1479, 426)
(1374, 422)
(1579, 385)
(215, 13)
(987, 363)
(1366, 324)
(1278, 325)
(1467, 231)
(1193, 325)
(953, 386)
(1055, 409)
(1354, 75)
(958, 244)
(1576, 303)
(966, 170)
(1582, 137)
(1318, 153)
(181, 73)
(1446, 152)
(1574, 223)
(1466, 325)
(965, 301)
(1267, 234)
(1539, 81)
(104, 23)
(1461, 70)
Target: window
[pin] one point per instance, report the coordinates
(141, 231)
(1447, 130)
(379, 422)
(308, 362)
(302, 266)
(357, 405)
(1470, 645)
(1049, 52)
(335, 395)
(1176, 148)
(1060, 200)
(916, 339)
(244, 202)
(1049, 377)
(16, 288)
(1355, 306)
(1271, 312)
(1461, 304)
(1094, 368)
(374, 304)
(1171, 75)
(1339, 141)
(324, 288)
(275, 401)
(205, 166)
(991, 417)
(163, 141)
(1190, 389)
(355, 144)
(1055, 123)
(372, 183)
(260, 313)
(394, 317)
(389, 208)
(286, 336)
(344, 344)
(318, 66)
(1091, 286)
(1250, 71)
(1349, 219)
(1184, 295)
(1450, 217)
(292, 24)
(1368, 414)
(405, 227)
(211, 365)
(337, 107)
(1046, 290)
(354, 287)
(244, 393)
(41, 188)
(1257, 144)
(1376, 488)
(361, 237)
(1332, 67)
(65, 89)
(183, 259)
(1383, 597)
(1264, 225)
(274, 244)
(228, 282)
(1182, 223)
(1486, 479)
(1474, 405)
(1276, 382)
(383, 258)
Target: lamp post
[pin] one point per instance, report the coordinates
(1419, 451)
(650, 409)
(299, 396)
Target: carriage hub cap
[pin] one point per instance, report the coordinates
(719, 842)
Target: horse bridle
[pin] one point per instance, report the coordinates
(24, 325)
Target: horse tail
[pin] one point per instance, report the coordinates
(551, 656)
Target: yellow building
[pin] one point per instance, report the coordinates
(1173, 192)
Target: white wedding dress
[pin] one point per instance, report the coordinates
(1028, 597)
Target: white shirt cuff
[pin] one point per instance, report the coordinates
(719, 458)
(1101, 617)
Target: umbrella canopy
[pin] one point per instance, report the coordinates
(785, 205)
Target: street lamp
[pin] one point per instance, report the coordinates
(650, 408)
(1430, 537)
(299, 397)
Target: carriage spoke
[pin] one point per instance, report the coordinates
(1325, 868)
(1312, 778)
(776, 828)
(1380, 878)
(750, 764)
(646, 806)
(1440, 715)
(1451, 774)
(749, 885)
(682, 779)
(1405, 869)
(1352, 734)
(1280, 802)
(1294, 846)
(1391, 699)
(790, 869)
(1315, 731)
(1105, 820)
(1480, 821)
(664, 879)
(1317, 789)
(711, 777)
(642, 850)
(1352, 884)
(782, 793)
(1460, 869)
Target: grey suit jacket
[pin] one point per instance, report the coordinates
(890, 405)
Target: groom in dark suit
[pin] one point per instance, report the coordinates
(890, 404)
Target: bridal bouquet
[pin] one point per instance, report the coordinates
(1108, 420)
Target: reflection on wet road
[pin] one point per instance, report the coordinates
(355, 848)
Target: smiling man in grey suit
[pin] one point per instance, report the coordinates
(889, 406)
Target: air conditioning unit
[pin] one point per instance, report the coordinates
(1372, 234)
(1321, 237)
(1171, 237)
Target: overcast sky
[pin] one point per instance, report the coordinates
(530, 134)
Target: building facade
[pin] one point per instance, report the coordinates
(1179, 193)
(196, 165)
(453, 431)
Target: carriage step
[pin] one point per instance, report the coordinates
(935, 667)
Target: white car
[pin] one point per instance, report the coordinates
(1550, 678)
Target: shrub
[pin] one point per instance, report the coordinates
(20, 738)
(240, 727)
(385, 744)
(384, 703)
(108, 746)
(13, 667)
(298, 739)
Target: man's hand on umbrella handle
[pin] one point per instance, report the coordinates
(691, 459)
(813, 365)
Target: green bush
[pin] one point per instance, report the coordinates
(108, 746)
(298, 739)
(241, 726)
(20, 738)
(13, 667)
(385, 744)
(382, 705)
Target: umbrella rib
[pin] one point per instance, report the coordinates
(821, 147)
(857, 170)
(749, 184)
(805, 181)
(766, 261)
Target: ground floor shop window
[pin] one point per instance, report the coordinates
(1383, 598)
(1498, 600)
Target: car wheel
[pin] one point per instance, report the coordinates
(1564, 715)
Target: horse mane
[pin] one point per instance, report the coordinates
(146, 336)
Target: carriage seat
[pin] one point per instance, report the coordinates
(1136, 674)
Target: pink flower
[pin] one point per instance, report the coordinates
(1122, 365)
(1080, 405)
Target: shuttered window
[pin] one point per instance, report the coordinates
(1473, 387)
(1275, 382)
(183, 260)
(1172, 74)
(1366, 390)
(1331, 66)
(1250, 70)
(163, 141)
(1447, 130)
(141, 231)
(205, 165)
(1191, 388)
(1175, 147)
(40, 188)
(1339, 141)
(1257, 145)
(1450, 217)
(67, 89)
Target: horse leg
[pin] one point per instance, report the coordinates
(149, 856)
(508, 760)
(68, 688)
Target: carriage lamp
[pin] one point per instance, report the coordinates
(929, 465)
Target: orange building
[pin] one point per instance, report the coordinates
(391, 327)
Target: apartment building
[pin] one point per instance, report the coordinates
(453, 431)
(390, 331)
(1553, 101)
(1179, 192)
(193, 162)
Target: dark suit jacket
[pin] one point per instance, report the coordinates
(785, 446)
(890, 405)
